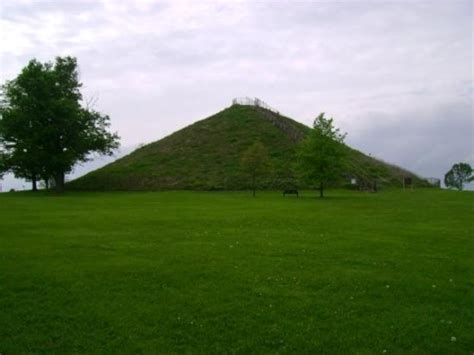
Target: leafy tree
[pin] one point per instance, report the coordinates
(44, 129)
(3, 164)
(20, 110)
(459, 174)
(255, 163)
(321, 154)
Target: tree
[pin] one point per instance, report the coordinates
(255, 163)
(321, 154)
(20, 114)
(44, 129)
(459, 174)
(3, 164)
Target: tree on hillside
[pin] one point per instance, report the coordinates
(459, 174)
(255, 163)
(321, 154)
(44, 129)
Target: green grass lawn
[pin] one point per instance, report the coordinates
(175, 272)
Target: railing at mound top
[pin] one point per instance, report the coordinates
(273, 116)
(248, 101)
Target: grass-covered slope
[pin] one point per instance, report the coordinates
(206, 156)
(181, 272)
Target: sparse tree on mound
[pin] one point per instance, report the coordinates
(459, 174)
(321, 154)
(44, 130)
(255, 163)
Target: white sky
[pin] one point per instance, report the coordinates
(396, 75)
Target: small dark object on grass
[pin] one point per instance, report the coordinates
(290, 192)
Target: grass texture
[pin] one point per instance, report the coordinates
(222, 272)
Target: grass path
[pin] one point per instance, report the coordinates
(223, 272)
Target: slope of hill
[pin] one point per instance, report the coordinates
(206, 156)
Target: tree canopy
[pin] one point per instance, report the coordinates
(3, 164)
(459, 174)
(321, 154)
(44, 128)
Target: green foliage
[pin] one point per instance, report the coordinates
(44, 130)
(21, 116)
(459, 174)
(210, 273)
(255, 163)
(207, 156)
(3, 164)
(321, 154)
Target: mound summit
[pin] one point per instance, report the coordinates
(206, 156)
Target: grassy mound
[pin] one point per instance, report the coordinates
(206, 156)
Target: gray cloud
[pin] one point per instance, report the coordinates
(425, 141)
(396, 75)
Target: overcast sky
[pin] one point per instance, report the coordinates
(396, 75)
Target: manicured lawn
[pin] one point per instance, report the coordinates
(174, 272)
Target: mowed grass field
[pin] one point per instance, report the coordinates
(222, 272)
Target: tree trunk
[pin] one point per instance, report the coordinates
(59, 181)
(46, 183)
(34, 185)
(253, 185)
(321, 190)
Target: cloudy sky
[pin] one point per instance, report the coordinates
(396, 75)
